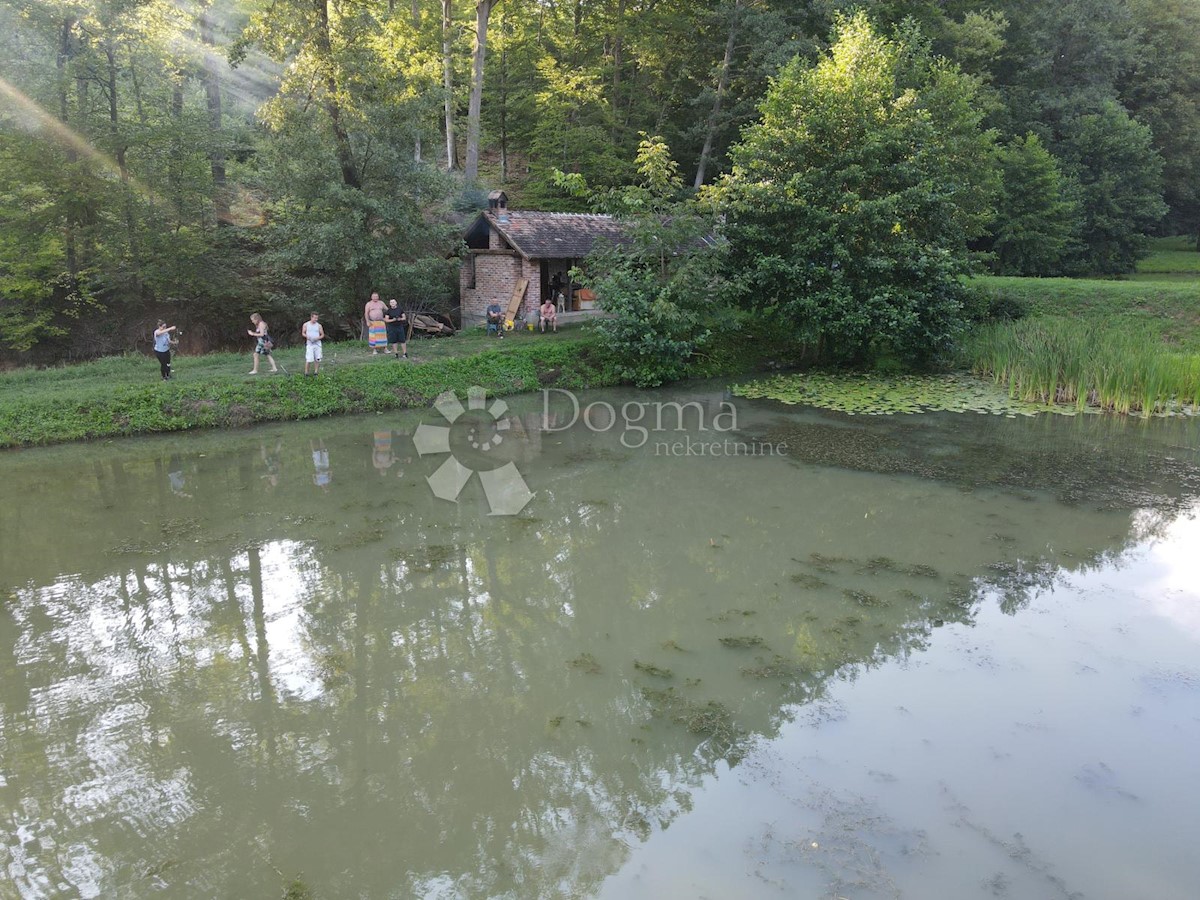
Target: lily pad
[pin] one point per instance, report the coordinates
(879, 395)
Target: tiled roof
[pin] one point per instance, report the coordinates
(546, 235)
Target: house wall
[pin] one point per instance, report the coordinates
(532, 269)
(497, 274)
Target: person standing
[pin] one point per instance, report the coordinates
(376, 329)
(162, 348)
(263, 343)
(313, 334)
(396, 320)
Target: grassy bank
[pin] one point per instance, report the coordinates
(1169, 309)
(123, 395)
(1081, 363)
(1126, 346)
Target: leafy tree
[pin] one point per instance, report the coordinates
(1120, 188)
(661, 285)
(1162, 91)
(1062, 60)
(851, 202)
(1037, 216)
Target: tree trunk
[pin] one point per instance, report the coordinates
(175, 166)
(618, 44)
(212, 94)
(118, 148)
(416, 24)
(483, 11)
(504, 99)
(448, 85)
(345, 153)
(710, 133)
(65, 52)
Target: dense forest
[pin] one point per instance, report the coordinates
(205, 158)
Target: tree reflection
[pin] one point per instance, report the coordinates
(401, 696)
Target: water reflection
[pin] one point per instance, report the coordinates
(224, 674)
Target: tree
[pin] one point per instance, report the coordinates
(483, 12)
(1037, 216)
(661, 286)
(1120, 188)
(851, 202)
(1162, 91)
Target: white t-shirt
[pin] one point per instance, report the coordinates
(312, 331)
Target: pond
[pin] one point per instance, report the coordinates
(752, 651)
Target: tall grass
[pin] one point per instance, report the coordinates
(1086, 364)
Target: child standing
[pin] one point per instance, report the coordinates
(313, 335)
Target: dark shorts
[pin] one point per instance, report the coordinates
(397, 334)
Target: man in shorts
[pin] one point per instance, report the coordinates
(548, 315)
(313, 335)
(396, 320)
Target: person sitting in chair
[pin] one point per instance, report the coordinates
(495, 319)
(548, 315)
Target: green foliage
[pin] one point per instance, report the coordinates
(1120, 188)
(1085, 364)
(661, 286)
(1036, 217)
(851, 203)
(319, 174)
(1162, 91)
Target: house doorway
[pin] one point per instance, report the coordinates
(556, 278)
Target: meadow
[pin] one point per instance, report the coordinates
(1128, 346)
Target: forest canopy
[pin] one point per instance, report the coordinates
(206, 158)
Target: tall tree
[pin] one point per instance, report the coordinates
(1163, 91)
(212, 94)
(1037, 216)
(483, 12)
(1120, 180)
(722, 87)
(851, 202)
(448, 82)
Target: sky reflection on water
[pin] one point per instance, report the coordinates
(231, 658)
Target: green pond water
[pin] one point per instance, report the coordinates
(944, 655)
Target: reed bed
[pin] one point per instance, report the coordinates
(1086, 364)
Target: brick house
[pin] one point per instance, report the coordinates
(507, 246)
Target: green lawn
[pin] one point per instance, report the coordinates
(1173, 255)
(1129, 344)
(125, 395)
(100, 378)
(1170, 308)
